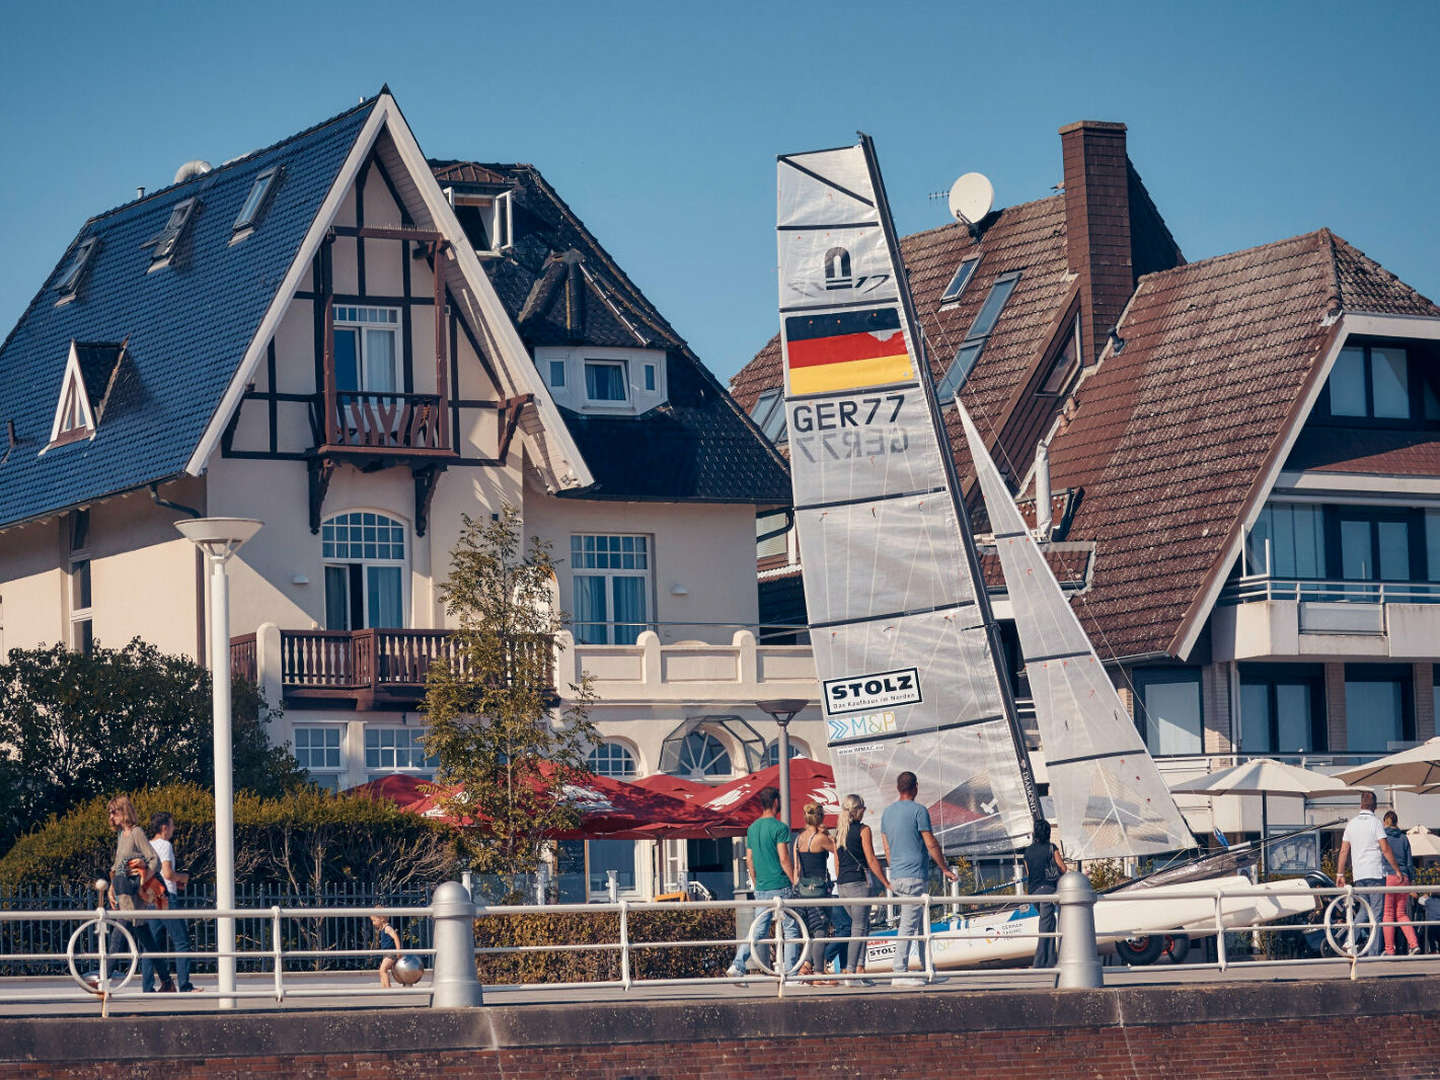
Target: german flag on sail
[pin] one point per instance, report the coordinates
(846, 350)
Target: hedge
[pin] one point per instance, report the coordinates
(603, 927)
(304, 838)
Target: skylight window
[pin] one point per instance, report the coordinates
(69, 282)
(769, 416)
(167, 239)
(1064, 365)
(969, 352)
(960, 280)
(257, 200)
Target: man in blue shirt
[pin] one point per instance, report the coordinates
(910, 845)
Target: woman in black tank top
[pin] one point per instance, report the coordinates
(1043, 867)
(812, 854)
(854, 854)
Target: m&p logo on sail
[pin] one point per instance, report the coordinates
(851, 727)
(846, 350)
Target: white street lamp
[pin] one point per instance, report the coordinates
(783, 710)
(219, 538)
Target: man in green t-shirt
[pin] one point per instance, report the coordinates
(772, 873)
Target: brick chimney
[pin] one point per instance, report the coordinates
(1097, 225)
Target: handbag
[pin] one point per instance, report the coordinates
(122, 884)
(812, 888)
(1052, 872)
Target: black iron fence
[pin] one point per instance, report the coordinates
(42, 935)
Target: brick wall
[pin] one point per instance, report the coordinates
(1405, 1046)
(1219, 736)
(1097, 225)
(1424, 682)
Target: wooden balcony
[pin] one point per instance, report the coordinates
(368, 423)
(367, 669)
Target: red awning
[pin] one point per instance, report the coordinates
(738, 802)
(677, 787)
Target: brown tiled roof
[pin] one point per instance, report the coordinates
(466, 172)
(1170, 439)
(1383, 453)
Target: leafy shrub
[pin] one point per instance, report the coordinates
(603, 927)
(304, 838)
(1105, 873)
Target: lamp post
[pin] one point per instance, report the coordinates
(219, 538)
(782, 711)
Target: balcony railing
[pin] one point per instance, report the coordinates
(387, 421)
(1257, 587)
(371, 667)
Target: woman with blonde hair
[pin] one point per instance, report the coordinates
(812, 856)
(134, 864)
(854, 854)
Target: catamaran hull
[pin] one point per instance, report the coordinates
(1010, 933)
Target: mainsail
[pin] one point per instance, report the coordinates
(901, 628)
(1109, 797)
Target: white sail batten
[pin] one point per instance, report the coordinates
(899, 628)
(1109, 797)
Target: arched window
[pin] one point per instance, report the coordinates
(612, 759)
(702, 757)
(364, 554)
(772, 753)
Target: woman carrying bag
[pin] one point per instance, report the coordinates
(854, 855)
(1043, 867)
(135, 865)
(812, 855)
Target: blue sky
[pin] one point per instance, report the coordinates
(659, 122)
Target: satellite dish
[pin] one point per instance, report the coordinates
(971, 198)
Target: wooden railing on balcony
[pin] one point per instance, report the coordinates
(369, 667)
(386, 421)
(242, 658)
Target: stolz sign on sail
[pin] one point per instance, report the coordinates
(862, 693)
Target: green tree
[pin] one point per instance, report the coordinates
(75, 726)
(495, 722)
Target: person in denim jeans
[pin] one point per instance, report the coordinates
(176, 934)
(910, 845)
(772, 872)
(1365, 840)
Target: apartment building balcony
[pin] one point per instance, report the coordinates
(360, 669)
(371, 423)
(387, 669)
(1260, 617)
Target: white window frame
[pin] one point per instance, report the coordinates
(352, 317)
(74, 405)
(499, 211)
(609, 362)
(364, 562)
(80, 556)
(414, 735)
(321, 773)
(644, 548)
(606, 753)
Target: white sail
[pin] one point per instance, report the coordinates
(1109, 797)
(902, 635)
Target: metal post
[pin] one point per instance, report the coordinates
(784, 769)
(1079, 962)
(457, 986)
(224, 783)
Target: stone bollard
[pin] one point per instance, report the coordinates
(457, 985)
(1079, 963)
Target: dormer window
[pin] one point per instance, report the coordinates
(256, 201)
(605, 380)
(974, 343)
(769, 416)
(167, 239)
(74, 414)
(69, 283)
(1063, 366)
(488, 219)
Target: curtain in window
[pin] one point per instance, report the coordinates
(604, 382)
(1172, 710)
(380, 361)
(384, 586)
(1374, 713)
(629, 609)
(337, 598)
(589, 612)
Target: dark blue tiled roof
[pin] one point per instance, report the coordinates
(187, 325)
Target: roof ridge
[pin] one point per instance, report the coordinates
(242, 159)
(1002, 211)
(1202, 263)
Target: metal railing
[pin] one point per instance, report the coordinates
(1257, 587)
(100, 954)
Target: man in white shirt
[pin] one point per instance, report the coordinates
(1365, 842)
(177, 936)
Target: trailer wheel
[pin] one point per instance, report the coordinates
(1139, 951)
(1177, 946)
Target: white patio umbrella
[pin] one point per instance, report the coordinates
(1264, 777)
(1423, 843)
(1417, 767)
